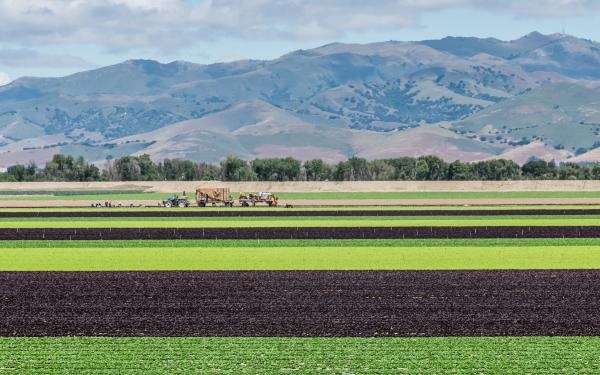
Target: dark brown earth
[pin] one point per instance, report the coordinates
(286, 213)
(299, 233)
(357, 303)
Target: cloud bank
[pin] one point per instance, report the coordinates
(4, 79)
(117, 25)
(23, 57)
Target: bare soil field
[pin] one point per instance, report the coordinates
(283, 233)
(301, 303)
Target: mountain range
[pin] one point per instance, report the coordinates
(458, 98)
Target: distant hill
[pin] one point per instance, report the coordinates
(465, 98)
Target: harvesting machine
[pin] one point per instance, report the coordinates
(213, 196)
(263, 197)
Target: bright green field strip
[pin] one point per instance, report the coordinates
(303, 221)
(462, 242)
(122, 196)
(299, 258)
(233, 355)
(300, 209)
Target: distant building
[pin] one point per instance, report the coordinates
(3, 170)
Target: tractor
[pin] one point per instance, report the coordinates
(176, 201)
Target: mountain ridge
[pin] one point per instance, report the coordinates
(384, 91)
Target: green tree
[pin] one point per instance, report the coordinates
(459, 171)
(317, 170)
(539, 170)
(236, 169)
(381, 170)
(128, 169)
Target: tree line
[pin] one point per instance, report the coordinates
(424, 168)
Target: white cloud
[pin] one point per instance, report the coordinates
(4, 79)
(118, 25)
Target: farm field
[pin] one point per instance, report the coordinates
(498, 289)
(281, 211)
(207, 355)
(124, 195)
(81, 198)
(303, 221)
(90, 258)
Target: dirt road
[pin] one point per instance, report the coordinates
(335, 202)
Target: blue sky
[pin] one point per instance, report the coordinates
(60, 37)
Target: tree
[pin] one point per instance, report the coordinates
(128, 168)
(360, 169)
(236, 169)
(437, 168)
(276, 169)
(595, 172)
(496, 170)
(381, 170)
(148, 170)
(422, 170)
(207, 172)
(572, 171)
(458, 171)
(540, 170)
(317, 170)
(405, 168)
(342, 171)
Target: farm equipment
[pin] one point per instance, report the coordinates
(252, 199)
(213, 196)
(176, 201)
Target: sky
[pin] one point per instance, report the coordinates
(59, 37)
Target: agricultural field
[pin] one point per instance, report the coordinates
(300, 291)
(150, 196)
(116, 195)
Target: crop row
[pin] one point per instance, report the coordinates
(223, 355)
(303, 221)
(296, 213)
(286, 243)
(297, 233)
(299, 258)
(295, 303)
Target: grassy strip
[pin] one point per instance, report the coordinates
(462, 242)
(223, 355)
(118, 196)
(302, 221)
(124, 195)
(67, 193)
(301, 208)
(300, 258)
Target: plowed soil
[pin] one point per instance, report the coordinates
(450, 303)
(298, 233)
